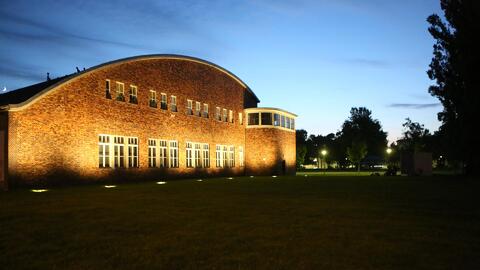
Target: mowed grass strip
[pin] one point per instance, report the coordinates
(246, 223)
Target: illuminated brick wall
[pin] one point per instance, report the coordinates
(3, 149)
(266, 150)
(56, 137)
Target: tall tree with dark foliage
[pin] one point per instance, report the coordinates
(454, 67)
(361, 127)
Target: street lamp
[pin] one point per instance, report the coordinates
(389, 152)
(324, 153)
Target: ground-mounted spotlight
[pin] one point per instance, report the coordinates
(39, 190)
(306, 175)
(251, 176)
(274, 176)
(110, 186)
(199, 180)
(161, 183)
(230, 178)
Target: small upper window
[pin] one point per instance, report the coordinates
(224, 115)
(107, 89)
(218, 115)
(153, 99)
(133, 94)
(120, 91)
(253, 119)
(189, 107)
(205, 110)
(292, 124)
(163, 101)
(198, 107)
(230, 116)
(283, 121)
(173, 103)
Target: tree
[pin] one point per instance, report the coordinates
(357, 152)
(316, 143)
(454, 69)
(361, 127)
(415, 137)
(301, 146)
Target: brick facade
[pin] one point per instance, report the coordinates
(270, 151)
(54, 137)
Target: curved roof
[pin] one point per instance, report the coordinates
(270, 109)
(23, 97)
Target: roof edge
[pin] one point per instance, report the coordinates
(269, 109)
(31, 100)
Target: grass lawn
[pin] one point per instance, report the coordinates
(313, 222)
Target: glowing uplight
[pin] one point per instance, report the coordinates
(274, 176)
(161, 183)
(251, 176)
(306, 175)
(39, 190)
(110, 186)
(230, 178)
(199, 180)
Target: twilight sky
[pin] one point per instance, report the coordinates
(314, 58)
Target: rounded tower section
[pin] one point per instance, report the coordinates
(270, 142)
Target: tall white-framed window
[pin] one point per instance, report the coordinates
(173, 154)
(198, 155)
(189, 107)
(132, 151)
(162, 153)
(133, 94)
(205, 155)
(120, 91)
(189, 154)
(218, 156)
(198, 108)
(205, 110)
(104, 151)
(230, 116)
(163, 101)
(173, 103)
(118, 152)
(241, 157)
(231, 156)
(224, 115)
(218, 114)
(240, 118)
(108, 94)
(153, 99)
(282, 117)
(225, 155)
(152, 153)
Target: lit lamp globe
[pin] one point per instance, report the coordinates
(324, 152)
(389, 151)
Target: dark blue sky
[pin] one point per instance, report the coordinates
(314, 58)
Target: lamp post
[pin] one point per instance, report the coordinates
(324, 153)
(389, 152)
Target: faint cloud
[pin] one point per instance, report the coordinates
(368, 62)
(414, 105)
(48, 33)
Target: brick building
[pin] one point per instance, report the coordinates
(144, 117)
